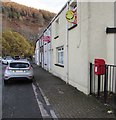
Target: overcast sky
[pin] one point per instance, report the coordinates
(50, 5)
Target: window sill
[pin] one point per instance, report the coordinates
(59, 65)
(56, 37)
(72, 27)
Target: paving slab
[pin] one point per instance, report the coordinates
(67, 101)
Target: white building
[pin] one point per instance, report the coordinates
(37, 53)
(42, 51)
(74, 46)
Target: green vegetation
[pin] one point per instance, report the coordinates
(15, 44)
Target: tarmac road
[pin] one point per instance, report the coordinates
(19, 101)
(0, 90)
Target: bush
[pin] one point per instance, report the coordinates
(15, 44)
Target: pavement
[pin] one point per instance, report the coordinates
(67, 101)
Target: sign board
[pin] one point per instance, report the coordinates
(71, 16)
(46, 38)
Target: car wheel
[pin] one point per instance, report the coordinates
(31, 80)
(5, 82)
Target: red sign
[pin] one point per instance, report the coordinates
(75, 15)
(46, 38)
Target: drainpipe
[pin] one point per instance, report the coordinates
(67, 51)
(39, 53)
(47, 56)
(114, 34)
(43, 53)
(50, 50)
(115, 56)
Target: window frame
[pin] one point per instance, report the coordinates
(56, 29)
(60, 55)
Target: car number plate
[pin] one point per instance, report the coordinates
(19, 71)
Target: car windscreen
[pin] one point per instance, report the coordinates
(19, 65)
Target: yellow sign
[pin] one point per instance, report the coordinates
(70, 16)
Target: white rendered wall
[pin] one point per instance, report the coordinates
(100, 43)
(78, 51)
(61, 41)
(86, 42)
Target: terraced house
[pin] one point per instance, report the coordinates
(80, 33)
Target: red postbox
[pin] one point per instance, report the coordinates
(99, 66)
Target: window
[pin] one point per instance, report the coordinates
(60, 55)
(19, 65)
(57, 28)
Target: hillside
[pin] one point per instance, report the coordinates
(27, 21)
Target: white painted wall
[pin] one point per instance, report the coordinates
(61, 41)
(47, 56)
(86, 42)
(78, 51)
(37, 53)
(101, 44)
(47, 46)
(115, 34)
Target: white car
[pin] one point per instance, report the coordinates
(18, 69)
(0, 58)
(7, 60)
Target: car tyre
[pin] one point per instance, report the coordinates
(31, 80)
(5, 82)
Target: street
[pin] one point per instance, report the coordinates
(21, 99)
(58, 60)
(48, 97)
